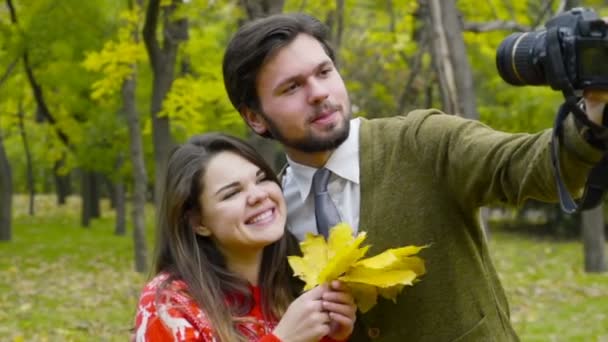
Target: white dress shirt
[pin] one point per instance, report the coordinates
(343, 187)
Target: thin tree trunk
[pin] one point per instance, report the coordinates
(594, 240)
(120, 227)
(42, 109)
(90, 196)
(140, 176)
(335, 23)
(62, 182)
(95, 179)
(409, 94)
(85, 195)
(163, 61)
(6, 194)
(41, 104)
(28, 159)
(452, 64)
(451, 61)
(110, 186)
(261, 8)
(116, 190)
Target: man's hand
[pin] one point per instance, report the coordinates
(339, 302)
(595, 101)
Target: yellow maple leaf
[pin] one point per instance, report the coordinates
(340, 258)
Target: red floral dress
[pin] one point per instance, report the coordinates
(175, 316)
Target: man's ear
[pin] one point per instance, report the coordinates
(197, 225)
(254, 120)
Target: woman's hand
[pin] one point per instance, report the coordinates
(305, 319)
(340, 304)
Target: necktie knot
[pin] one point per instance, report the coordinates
(320, 180)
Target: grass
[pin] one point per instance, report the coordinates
(551, 297)
(61, 282)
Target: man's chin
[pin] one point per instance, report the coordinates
(319, 143)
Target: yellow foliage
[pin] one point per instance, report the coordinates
(340, 258)
(117, 58)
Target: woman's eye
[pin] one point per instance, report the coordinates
(229, 194)
(261, 178)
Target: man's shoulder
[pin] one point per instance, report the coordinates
(397, 124)
(408, 118)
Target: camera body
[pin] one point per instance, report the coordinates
(570, 54)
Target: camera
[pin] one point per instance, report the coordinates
(570, 54)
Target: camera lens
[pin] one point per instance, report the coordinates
(518, 58)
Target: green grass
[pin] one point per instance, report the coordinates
(552, 298)
(61, 282)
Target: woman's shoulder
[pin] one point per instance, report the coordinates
(165, 308)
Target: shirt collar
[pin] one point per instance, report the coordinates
(343, 162)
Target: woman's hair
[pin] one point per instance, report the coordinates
(196, 260)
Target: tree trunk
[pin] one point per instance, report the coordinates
(120, 227)
(261, 8)
(163, 61)
(267, 148)
(140, 176)
(594, 240)
(63, 183)
(90, 196)
(453, 68)
(95, 179)
(116, 190)
(335, 23)
(38, 94)
(110, 186)
(28, 160)
(451, 61)
(421, 34)
(85, 195)
(6, 194)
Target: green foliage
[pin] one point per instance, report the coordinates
(118, 57)
(81, 53)
(197, 101)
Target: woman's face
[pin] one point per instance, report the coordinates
(243, 210)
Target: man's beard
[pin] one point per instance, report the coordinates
(310, 143)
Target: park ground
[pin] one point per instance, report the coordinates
(61, 282)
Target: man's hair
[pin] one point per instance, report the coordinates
(257, 41)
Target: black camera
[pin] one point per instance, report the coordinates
(570, 54)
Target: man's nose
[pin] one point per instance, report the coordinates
(318, 91)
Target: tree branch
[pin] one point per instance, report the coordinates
(149, 31)
(497, 25)
(8, 71)
(36, 89)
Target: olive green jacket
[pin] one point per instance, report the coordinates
(423, 178)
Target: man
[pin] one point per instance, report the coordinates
(416, 179)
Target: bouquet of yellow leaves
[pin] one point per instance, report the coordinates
(340, 258)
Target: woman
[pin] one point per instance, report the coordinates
(221, 264)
